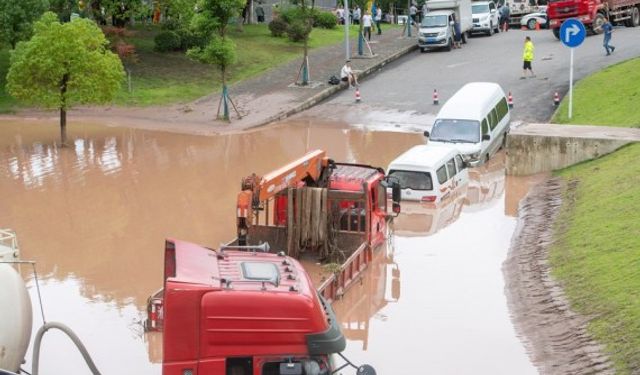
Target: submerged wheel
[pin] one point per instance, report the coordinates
(531, 24)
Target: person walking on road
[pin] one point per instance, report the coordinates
(527, 56)
(366, 24)
(608, 29)
(505, 17)
(378, 19)
(356, 15)
(413, 13)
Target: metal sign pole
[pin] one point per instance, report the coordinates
(571, 84)
(346, 29)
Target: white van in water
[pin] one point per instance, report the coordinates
(475, 120)
(429, 173)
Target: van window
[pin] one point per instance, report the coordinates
(459, 164)
(485, 127)
(503, 109)
(413, 180)
(493, 119)
(455, 131)
(451, 168)
(442, 175)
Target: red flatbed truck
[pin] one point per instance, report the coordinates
(241, 309)
(592, 13)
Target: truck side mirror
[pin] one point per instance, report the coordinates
(426, 133)
(396, 195)
(486, 137)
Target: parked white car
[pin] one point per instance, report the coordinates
(486, 18)
(530, 20)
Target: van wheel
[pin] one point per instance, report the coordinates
(449, 45)
(422, 50)
(490, 32)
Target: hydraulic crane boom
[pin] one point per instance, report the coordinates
(314, 169)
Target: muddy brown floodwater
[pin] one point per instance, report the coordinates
(94, 217)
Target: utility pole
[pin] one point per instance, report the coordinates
(346, 30)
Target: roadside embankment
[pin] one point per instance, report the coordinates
(573, 271)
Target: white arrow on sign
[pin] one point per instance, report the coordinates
(573, 30)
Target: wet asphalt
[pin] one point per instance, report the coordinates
(407, 85)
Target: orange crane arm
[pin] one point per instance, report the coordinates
(314, 168)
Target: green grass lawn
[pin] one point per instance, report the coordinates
(609, 97)
(163, 78)
(597, 253)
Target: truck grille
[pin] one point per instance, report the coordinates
(569, 9)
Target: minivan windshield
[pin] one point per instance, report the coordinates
(413, 180)
(480, 8)
(434, 21)
(445, 130)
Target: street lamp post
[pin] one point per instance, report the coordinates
(346, 30)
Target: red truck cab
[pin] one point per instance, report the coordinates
(243, 313)
(592, 13)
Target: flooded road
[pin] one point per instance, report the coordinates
(94, 217)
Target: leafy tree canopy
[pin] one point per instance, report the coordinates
(216, 14)
(73, 55)
(220, 52)
(17, 17)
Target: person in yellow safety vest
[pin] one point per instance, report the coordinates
(527, 56)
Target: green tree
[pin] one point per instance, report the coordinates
(62, 65)
(17, 17)
(212, 22)
(301, 28)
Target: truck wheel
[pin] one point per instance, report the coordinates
(449, 45)
(635, 17)
(464, 38)
(531, 24)
(556, 33)
(598, 21)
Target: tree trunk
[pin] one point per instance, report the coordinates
(63, 109)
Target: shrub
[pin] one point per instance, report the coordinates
(167, 41)
(190, 39)
(325, 20)
(278, 26)
(298, 31)
(172, 24)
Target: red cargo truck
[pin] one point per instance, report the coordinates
(244, 309)
(592, 13)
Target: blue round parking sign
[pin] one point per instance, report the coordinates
(572, 33)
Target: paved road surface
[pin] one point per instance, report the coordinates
(400, 95)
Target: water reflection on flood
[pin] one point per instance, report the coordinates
(95, 215)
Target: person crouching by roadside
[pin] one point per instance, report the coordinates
(347, 74)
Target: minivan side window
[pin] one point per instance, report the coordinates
(493, 119)
(485, 127)
(442, 175)
(451, 167)
(459, 164)
(503, 109)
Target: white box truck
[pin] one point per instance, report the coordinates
(436, 29)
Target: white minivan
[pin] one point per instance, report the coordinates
(429, 173)
(475, 120)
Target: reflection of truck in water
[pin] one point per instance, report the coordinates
(436, 28)
(592, 13)
(242, 310)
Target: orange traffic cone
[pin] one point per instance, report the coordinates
(358, 95)
(510, 100)
(436, 101)
(556, 99)
(537, 26)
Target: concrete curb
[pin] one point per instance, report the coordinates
(331, 90)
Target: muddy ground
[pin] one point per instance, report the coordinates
(555, 336)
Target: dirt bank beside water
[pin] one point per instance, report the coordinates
(555, 337)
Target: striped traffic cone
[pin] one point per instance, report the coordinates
(358, 95)
(556, 99)
(436, 101)
(510, 100)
